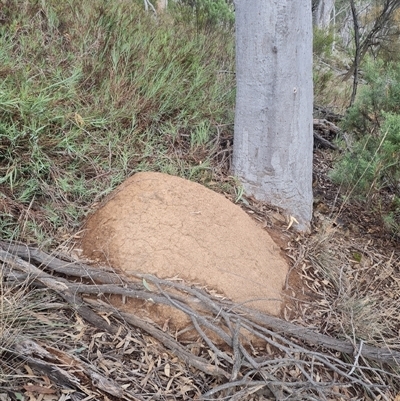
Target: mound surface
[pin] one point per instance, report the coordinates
(170, 227)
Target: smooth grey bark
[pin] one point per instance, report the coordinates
(273, 136)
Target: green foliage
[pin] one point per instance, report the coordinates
(91, 92)
(322, 78)
(356, 170)
(207, 14)
(379, 94)
(391, 150)
(322, 42)
(329, 90)
(371, 169)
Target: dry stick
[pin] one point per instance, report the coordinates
(71, 268)
(237, 356)
(190, 312)
(112, 289)
(116, 290)
(242, 394)
(278, 325)
(106, 384)
(174, 346)
(210, 305)
(88, 289)
(273, 384)
(164, 338)
(356, 358)
(391, 357)
(377, 354)
(271, 381)
(316, 355)
(60, 288)
(102, 275)
(60, 285)
(325, 142)
(93, 318)
(217, 352)
(207, 301)
(293, 329)
(49, 362)
(55, 373)
(303, 333)
(105, 276)
(242, 382)
(323, 359)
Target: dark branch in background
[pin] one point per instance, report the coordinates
(356, 63)
(371, 39)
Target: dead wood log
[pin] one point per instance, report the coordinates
(326, 126)
(283, 327)
(327, 114)
(60, 286)
(226, 319)
(68, 266)
(47, 360)
(175, 347)
(328, 129)
(70, 292)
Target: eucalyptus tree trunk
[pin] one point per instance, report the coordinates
(273, 138)
(322, 13)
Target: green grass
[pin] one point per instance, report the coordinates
(91, 92)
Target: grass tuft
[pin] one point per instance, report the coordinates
(356, 289)
(93, 92)
(24, 315)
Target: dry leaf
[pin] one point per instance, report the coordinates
(39, 389)
(167, 370)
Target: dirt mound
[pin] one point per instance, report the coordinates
(170, 227)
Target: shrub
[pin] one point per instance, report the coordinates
(207, 14)
(372, 165)
(323, 40)
(379, 94)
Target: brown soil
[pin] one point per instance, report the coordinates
(173, 228)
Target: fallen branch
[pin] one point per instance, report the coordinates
(47, 359)
(327, 113)
(328, 129)
(227, 322)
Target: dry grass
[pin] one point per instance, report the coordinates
(27, 313)
(356, 288)
(109, 354)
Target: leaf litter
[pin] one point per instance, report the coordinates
(91, 350)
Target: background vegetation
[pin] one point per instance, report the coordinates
(370, 166)
(367, 167)
(93, 92)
